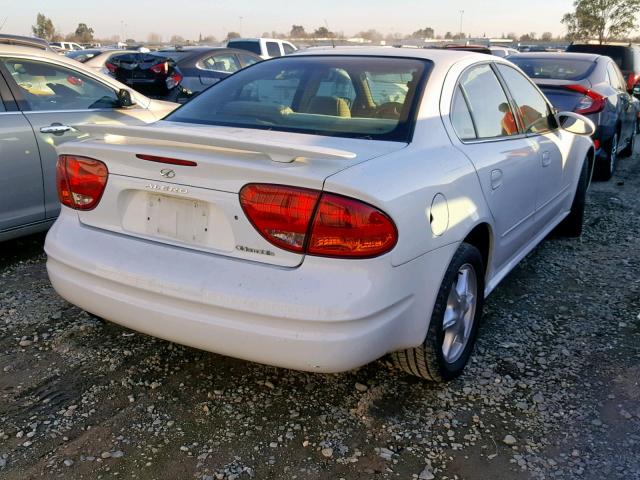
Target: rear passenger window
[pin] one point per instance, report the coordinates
(490, 109)
(273, 49)
(220, 63)
(247, 59)
(288, 48)
(533, 110)
(615, 76)
(461, 118)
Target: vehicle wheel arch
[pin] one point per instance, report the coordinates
(481, 236)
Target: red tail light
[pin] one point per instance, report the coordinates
(632, 79)
(111, 67)
(81, 181)
(174, 80)
(160, 68)
(591, 102)
(318, 223)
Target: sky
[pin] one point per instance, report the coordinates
(189, 18)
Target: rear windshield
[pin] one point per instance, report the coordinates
(621, 55)
(82, 55)
(175, 55)
(253, 47)
(555, 68)
(358, 97)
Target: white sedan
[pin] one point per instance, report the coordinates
(290, 217)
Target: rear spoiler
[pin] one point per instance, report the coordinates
(276, 151)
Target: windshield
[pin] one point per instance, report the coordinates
(555, 68)
(175, 55)
(360, 97)
(82, 55)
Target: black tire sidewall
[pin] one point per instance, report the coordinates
(465, 254)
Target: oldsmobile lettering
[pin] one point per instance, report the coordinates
(165, 188)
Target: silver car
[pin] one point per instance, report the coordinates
(41, 95)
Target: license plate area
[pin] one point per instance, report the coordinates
(184, 220)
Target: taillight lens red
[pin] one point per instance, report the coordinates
(591, 102)
(632, 80)
(325, 224)
(174, 80)
(111, 67)
(81, 181)
(160, 68)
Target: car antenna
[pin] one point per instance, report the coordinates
(333, 41)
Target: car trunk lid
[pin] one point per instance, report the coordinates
(559, 93)
(184, 189)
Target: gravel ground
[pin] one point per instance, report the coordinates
(552, 391)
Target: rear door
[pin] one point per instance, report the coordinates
(53, 98)
(21, 189)
(506, 160)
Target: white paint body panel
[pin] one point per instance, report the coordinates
(292, 310)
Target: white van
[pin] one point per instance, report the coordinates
(264, 47)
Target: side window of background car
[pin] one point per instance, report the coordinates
(490, 109)
(614, 76)
(287, 48)
(461, 118)
(273, 49)
(52, 87)
(221, 63)
(247, 59)
(533, 109)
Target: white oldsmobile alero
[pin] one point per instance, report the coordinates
(320, 210)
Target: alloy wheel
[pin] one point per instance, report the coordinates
(460, 313)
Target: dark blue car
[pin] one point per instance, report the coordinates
(591, 85)
(202, 67)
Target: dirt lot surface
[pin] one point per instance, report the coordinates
(553, 390)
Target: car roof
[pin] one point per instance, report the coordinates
(434, 54)
(566, 55)
(257, 39)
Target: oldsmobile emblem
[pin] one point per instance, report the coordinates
(167, 173)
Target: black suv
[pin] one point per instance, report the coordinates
(627, 56)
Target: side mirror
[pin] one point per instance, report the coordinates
(576, 123)
(125, 99)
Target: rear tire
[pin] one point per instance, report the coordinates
(572, 225)
(606, 168)
(454, 322)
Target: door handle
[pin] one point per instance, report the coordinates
(546, 159)
(496, 178)
(56, 129)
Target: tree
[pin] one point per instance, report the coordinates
(232, 35)
(371, 35)
(426, 32)
(83, 33)
(602, 19)
(547, 37)
(44, 28)
(512, 35)
(209, 40)
(176, 40)
(322, 32)
(448, 36)
(528, 37)
(154, 38)
(297, 31)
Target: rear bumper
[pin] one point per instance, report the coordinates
(326, 315)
